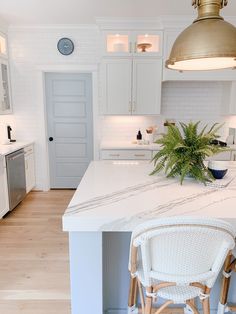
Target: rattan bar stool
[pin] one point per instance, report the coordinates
(177, 259)
(229, 267)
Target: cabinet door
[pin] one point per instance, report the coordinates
(125, 154)
(147, 77)
(4, 205)
(29, 172)
(5, 95)
(116, 86)
(147, 43)
(117, 43)
(173, 75)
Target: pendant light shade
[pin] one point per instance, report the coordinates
(208, 44)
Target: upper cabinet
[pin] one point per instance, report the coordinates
(5, 90)
(5, 94)
(132, 43)
(172, 75)
(131, 86)
(3, 46)
(131, 71)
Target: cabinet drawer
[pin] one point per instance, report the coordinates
(126, 154)
(29, 149)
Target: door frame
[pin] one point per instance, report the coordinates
(78, 69)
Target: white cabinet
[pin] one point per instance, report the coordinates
(5, 90)
(29, 168)
(5, 93)
(131, 86)
(172, 75)
(116, 86)
(127, 43)
(3, 45)
(4, 204)
(125, 154)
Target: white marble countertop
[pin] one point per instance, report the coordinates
(128, 145)
(12, 147)
(118, 195)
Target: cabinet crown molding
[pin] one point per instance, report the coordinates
(157, 23)
(129, 23)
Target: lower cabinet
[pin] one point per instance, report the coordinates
(142, 154)
(4, 204)
(125, 154)
(29, 168)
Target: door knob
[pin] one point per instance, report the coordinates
(50, 139)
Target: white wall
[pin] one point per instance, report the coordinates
(32, 50)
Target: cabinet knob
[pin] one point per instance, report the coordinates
(50, 139)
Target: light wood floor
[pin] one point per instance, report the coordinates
(34, 262)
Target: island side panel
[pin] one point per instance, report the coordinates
(115, 271)
(86, 272)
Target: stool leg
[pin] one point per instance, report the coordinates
(206, 306)
(132, 309)
(206, 302)
(224, 286)
(190, 307)
(148, 301)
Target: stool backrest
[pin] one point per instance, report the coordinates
(183, 249)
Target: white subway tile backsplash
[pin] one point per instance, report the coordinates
(182, 101)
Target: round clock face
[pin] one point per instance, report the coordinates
(65, 46)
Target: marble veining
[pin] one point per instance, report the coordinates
(115, 197)
(118, 195)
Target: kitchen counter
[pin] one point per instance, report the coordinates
(132, 196)
(12, 147)
(112, 199)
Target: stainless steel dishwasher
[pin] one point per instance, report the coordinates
(15, 163)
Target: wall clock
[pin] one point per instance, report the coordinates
(65, 46)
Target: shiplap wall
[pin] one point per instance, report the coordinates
(30, 49)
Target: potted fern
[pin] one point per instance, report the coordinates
(184, 150)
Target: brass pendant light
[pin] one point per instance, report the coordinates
(208, 44)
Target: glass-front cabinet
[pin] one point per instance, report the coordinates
(5, 92)
(120, 43)
(3, 46)
(5, 95)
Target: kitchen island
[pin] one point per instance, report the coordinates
(112, 199)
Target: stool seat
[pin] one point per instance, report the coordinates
(180, 294)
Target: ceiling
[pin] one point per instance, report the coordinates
(25, 12)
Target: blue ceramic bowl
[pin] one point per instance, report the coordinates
(218, 174)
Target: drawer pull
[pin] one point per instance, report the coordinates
(139, 155)
(114, 155)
